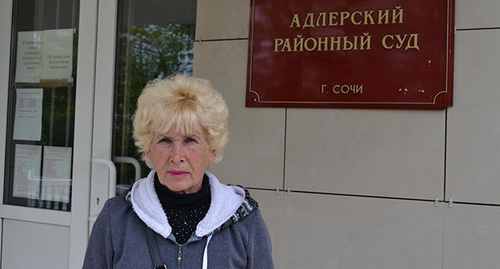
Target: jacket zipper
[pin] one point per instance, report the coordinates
(179, 256)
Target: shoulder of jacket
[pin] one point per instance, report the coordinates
(247, 208)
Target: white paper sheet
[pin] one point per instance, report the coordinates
(29, 56)
(28, 159)
(28, 118)
(44, 55)
(56, 180)
(58, 54)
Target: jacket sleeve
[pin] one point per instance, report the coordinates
(259, 248)
(99, 252)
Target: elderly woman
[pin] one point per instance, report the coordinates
(180, 215)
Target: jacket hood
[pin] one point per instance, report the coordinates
(229, 204)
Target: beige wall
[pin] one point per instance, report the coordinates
(364, 183)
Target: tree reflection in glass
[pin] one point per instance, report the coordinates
(144, 53)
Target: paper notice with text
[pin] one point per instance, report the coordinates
(58, 54)
(44, 55)
(28, 117)
(28, 159)
(56, 179)
(29, 56)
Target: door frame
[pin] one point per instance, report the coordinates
(5, 27)
(93, 121)
(103, 105)
(84, 117)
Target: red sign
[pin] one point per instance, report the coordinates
(351, 54)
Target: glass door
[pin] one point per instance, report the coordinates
(47, 61)
(41, 107)
(72, 72)
(142, 41)
(154, 40)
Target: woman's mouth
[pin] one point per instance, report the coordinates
(175, 173)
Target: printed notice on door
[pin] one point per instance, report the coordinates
(44, 55)
(56, 182)
(28, 118)
(28, 159)
(58, 54)
(29, 56)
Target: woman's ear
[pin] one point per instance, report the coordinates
(213, 155)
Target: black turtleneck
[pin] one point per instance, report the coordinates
(184, 211)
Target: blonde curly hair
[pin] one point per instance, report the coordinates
(186, 104)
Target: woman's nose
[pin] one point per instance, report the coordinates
(177, 154)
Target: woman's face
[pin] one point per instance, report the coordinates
(180, 160)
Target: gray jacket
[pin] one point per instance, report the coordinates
(232, 234)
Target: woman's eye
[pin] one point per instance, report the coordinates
(166, 140)
(190, 139)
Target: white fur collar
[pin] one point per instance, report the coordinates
(225, 201)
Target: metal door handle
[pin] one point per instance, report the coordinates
(111, 183)
(130, 160)
(112, 175)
